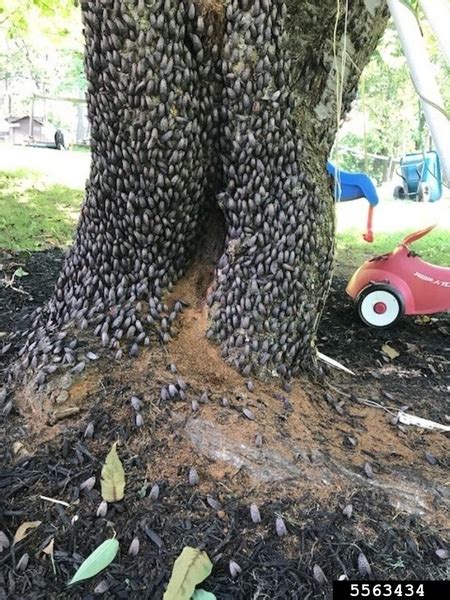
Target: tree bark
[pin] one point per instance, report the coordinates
(211, 124)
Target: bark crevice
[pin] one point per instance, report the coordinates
(210, 248)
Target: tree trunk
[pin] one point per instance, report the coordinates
(211, 124)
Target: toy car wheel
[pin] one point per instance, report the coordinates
(423, 192)
(379, 306)
(399, 192)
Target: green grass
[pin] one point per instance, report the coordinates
(33, 214)
(352, 250)
(80, 148)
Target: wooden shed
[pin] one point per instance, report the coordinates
(20, 129)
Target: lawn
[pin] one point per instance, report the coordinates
(352, 250)
(35, 214)
(393, 220)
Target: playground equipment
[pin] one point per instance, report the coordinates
(351, 186)
(422, 178)
(399, 283)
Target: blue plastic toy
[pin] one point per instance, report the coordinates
(350, 186)
(421, 174)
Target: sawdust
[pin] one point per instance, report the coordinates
(215, 7)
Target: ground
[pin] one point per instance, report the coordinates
(304, 454)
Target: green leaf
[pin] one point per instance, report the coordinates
(20, 273)
(202, 595)
(142, 492)
(190, 569)
(97, 561)
(113, 477)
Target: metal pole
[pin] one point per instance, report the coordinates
(30, 132)
(437, 12)
(424, 81)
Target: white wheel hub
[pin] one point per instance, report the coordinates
(379, 308)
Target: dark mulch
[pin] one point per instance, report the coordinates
(42, 268)
(36, 287)
(397, 546)
(418, 378)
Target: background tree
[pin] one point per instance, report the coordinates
(211, 124)
(40, 53)
(389, 104)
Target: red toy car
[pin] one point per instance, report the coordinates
(399, 283)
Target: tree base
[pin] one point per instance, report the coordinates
(198, 411)
(292, 455)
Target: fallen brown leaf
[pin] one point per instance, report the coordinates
(390, 351)
(23, 530)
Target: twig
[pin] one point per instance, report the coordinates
(54, 500)
(374, 404)
(19, 290)
(392, 410)
(336, 389)
(9, 284)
